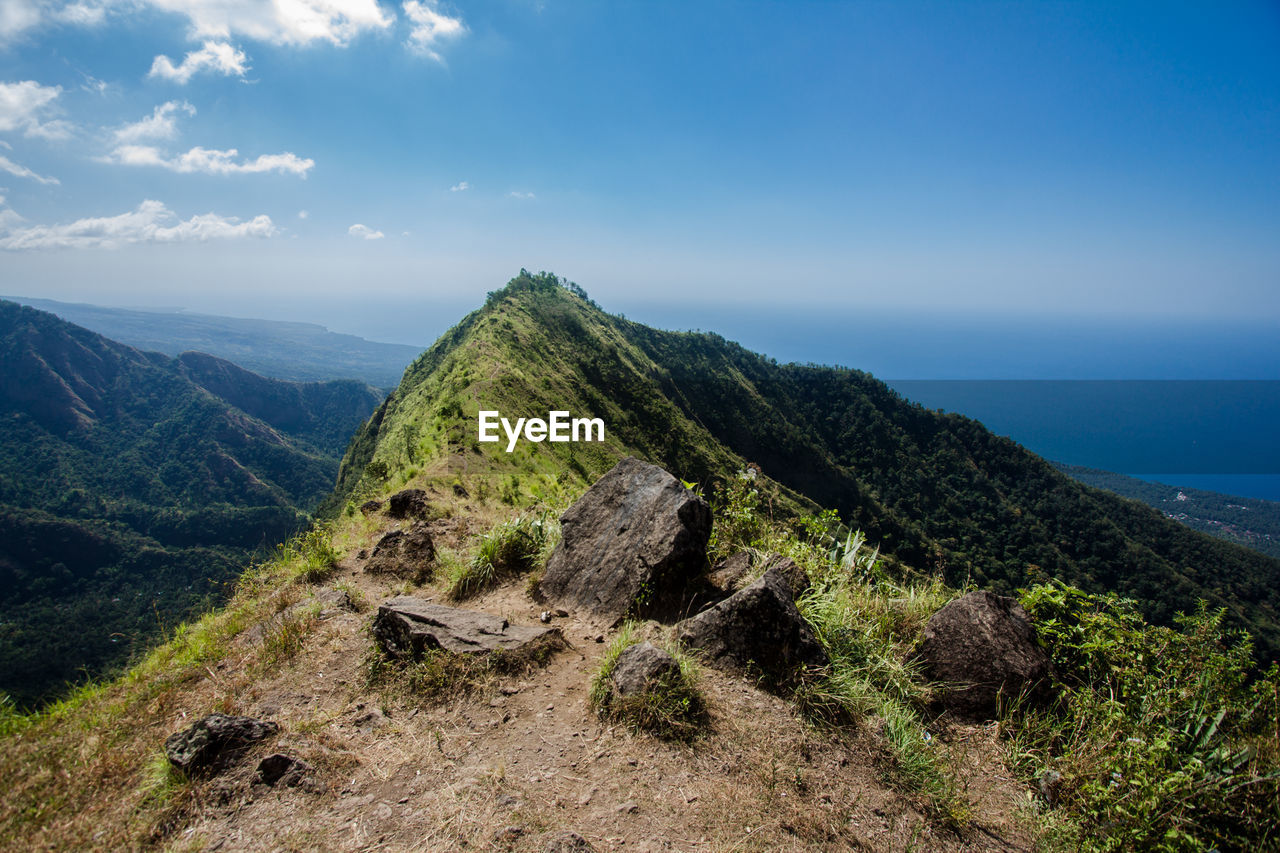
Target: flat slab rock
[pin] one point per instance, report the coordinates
(758, 626)
(405, 627)
(979, 647)
(636, 538)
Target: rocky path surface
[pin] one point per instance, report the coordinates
(520, 761)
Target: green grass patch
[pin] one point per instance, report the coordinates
(511, 548)
(866, 628)
(309, 556)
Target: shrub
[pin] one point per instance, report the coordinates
(1162, 740)
(513, 547)
(737, 522)
(309, 556)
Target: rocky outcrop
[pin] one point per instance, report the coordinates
(410, 503)
(632, 543)
(406, 627)
(279, 768)
(729, 574)
(758, 627)
(213, 743)
(796, 577)
(733, 572)
(979, 647)
(404, 552)
(641, 667)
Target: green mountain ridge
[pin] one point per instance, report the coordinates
(1180, 755)
(134, 486)
(939, 492)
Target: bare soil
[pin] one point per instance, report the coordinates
(505, 766)
(523, 758)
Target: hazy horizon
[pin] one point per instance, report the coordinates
(890, 345)
(1026, 162)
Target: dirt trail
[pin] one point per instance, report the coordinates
(523, 758)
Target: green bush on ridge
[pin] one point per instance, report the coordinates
(1163, 740)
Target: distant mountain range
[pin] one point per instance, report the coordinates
(299, 352)
(133, 486)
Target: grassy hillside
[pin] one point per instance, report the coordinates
(133, 487)
(938, 491)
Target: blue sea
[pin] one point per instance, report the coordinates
(1198, 399)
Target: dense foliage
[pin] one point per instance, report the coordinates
(1162, 740)
(1250, 522)
(132, 491)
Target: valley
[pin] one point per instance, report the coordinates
(134, 488)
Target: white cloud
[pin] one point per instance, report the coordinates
(294, 22)
(8, 218)
(365, 231)
(152, 222)
(302, 214)
(80, 14)
(161, 124)
(92, 84)
(214, 56)
(210, 161)
(520, 195)
(17, 16)
(23, 107)
(7, 165)
(460, 187)
(429, 26)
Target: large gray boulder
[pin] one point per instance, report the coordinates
(758, 627)
(979, 647)
(215, 742)
(632, 543)
(405, 627)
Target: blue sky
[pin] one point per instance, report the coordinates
(1116, 162)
